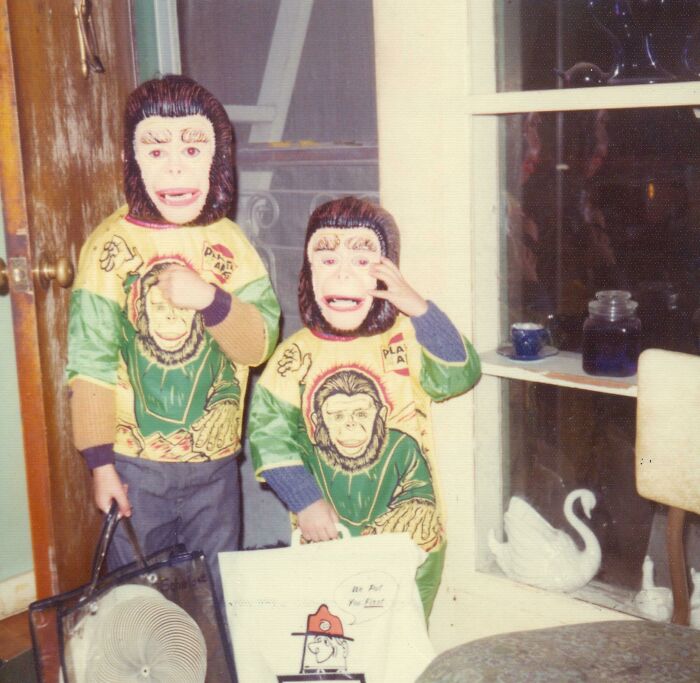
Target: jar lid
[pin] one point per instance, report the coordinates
(612, 304)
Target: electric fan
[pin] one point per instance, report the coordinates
(133, 634)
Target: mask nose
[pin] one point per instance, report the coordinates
(344, 269)
(174, 165)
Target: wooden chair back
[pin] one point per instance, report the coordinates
(668, 452)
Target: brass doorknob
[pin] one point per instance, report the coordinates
(61, 270)
(4, 280)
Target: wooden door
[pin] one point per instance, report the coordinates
(60, 174)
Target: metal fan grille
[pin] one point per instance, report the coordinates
(142, 638)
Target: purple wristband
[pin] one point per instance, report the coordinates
(96, 456)
(218, 309)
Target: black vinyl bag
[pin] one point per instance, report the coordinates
(155, 619)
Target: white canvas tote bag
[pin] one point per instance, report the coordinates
(345, 610)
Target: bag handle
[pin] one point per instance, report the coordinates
(109, 526)
(296, 534)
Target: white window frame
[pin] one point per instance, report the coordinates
(485, 105)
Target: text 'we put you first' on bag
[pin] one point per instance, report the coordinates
(346, 610)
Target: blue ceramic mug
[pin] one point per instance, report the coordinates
(528, 339)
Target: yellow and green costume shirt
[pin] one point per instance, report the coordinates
(175, 388)
(355, 412)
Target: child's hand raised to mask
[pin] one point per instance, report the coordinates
(398, 291)
(184, 288)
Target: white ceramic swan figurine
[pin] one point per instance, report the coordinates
(538, 554)
(695, 599)
(654, 602)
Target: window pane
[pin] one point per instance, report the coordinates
(327, 146)
(545, 44)
(597, 200)
(564, 439)
(557, 440)
(604, 200)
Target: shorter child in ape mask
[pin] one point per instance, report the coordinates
(340, 421)
(170, 307)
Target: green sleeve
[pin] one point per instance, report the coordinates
(94, 331)
(443, 379)
(225, 387)
(415, 480)
(273, 432)
(260, 293)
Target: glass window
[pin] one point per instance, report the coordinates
(560, 440)
(591, 200)
(545, 44)
(604, 200)
(591, 190)
(325, 141)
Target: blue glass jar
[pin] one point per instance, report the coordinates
(611, 335)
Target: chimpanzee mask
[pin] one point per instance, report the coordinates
(178, 153)
(343, 239)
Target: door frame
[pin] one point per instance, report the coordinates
(57, 529)
(25, 324)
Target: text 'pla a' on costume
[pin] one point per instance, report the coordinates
(342, 410)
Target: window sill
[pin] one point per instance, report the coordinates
(614, 598)
(564, 370)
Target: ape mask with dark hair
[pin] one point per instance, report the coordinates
(343, 238)
(177, 97)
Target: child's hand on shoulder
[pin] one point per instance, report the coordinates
(398, 291)
(184, 288)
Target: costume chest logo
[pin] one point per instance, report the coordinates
(395, 355)
(219, 261)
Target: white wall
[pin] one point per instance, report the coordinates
(422, 58)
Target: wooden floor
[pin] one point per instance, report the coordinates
(14, 636)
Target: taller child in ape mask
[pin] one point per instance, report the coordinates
(340, 421)
(170, 307)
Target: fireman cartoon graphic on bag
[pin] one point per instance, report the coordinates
(325, 645)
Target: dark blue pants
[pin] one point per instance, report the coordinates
(198, 504)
